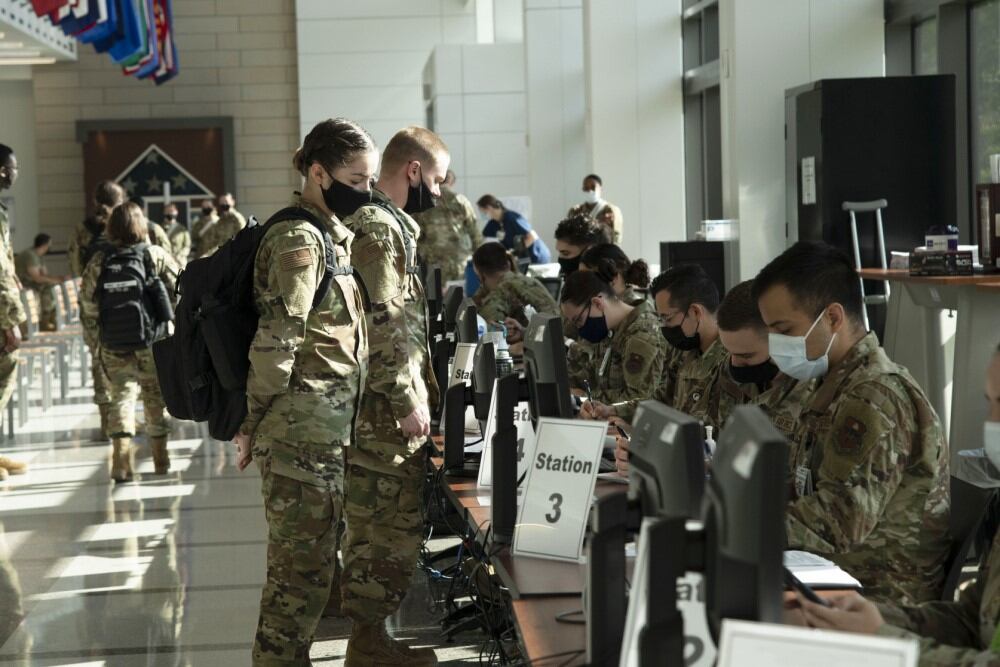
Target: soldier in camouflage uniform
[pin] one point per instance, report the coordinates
(87, 238)
(32, 274)
(626, 341)
(686, 301)
(596, 208)
(386, 467)
(230, 222)
(750, 377)
(505, 291)
(201, 225)
(128, 373)
(307, 366)
(449, 232)
(869, 462)
(11, 311)
(962, 633)
(177, 234)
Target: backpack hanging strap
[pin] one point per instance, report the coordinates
(329, 252)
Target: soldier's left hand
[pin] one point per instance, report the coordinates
(849, 613)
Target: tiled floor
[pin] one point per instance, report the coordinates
(166, 571)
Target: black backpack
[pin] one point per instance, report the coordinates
(202, 369)
(133, 304)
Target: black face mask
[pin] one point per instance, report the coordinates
(207, 212)
(568, 265)
(170, 217)
(677, 338)
(760, 375)
(224, 208)
(419, 197)
(344, 200)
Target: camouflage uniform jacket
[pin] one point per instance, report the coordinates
(11, 310)
(955, 634)
(511, 294)
(782, 401)
(86, 232)
(610, 216)
(164, 263)
(159, 237)
(384, 255)
(627, 365)
(449, 233)
(199, 228)
(306, 364)
(180, 242)
(869, 475)
(230, 222)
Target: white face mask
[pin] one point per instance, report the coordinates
(789, 354)
(590, 196)
(991, 442)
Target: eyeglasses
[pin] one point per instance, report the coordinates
(666, 319)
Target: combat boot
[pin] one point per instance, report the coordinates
(12, 466)
(371, 646)
(121, 460)
(161, 459)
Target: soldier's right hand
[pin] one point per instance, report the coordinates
(417, 423)
(596, 410)
(12, 339)
(244, 453)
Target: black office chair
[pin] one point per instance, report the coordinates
(554, 286)
(968, 508)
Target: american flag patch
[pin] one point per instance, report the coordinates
(294, 259)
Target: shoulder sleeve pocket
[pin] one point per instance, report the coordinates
(375, 263)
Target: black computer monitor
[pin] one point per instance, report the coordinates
(449, 307)
(545, 370)
(484, 374)
(554, 286)
(433, 289)
(667, 461)
(467, 323)
(744, 521)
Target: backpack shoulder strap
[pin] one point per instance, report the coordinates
(330, 254)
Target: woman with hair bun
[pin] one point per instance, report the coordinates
(629, 279)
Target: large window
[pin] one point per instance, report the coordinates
(984, 85)
(702, 113)
(925, 59)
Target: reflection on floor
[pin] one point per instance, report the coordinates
(166, 571)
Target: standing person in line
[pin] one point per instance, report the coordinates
(449, 232)
(154, 230)
(387, 464)
(595, 207)
(114, 292)
(307, 365)
(32, 274)
(230, 222)
(201, 225)
(11, 310)
(513, 230)
(90, 237)
(180, 238)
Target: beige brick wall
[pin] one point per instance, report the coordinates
(238, 59)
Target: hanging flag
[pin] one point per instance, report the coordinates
(104, 44)
(43, 7)
(78, 18)
(168, 49)
(149, 63)
(129, 42)
(143, 13)
(105, 25)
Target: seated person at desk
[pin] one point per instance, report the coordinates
(511, 229)
(573, 236)
(750, 377)
(506, 291)
(955, 634)
(868, 460)
(628, 279)
(686, 301)
(629, 350)
(613, 266)
(31, 272)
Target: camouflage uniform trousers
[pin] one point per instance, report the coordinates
(102, 395)
(127, 374)
(303, 506)
(384, 513)
(8, 377)
(46, 305)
